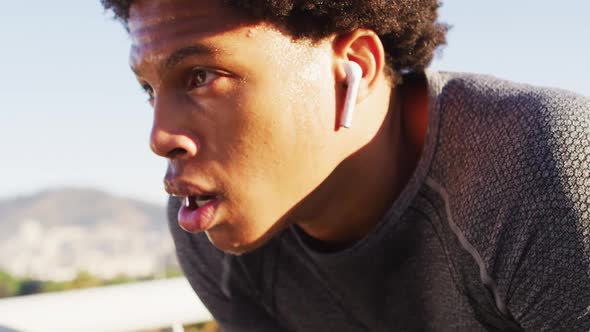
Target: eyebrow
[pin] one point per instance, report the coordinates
(189, 51)
(194, 50)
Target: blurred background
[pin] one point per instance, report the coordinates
(81, 196)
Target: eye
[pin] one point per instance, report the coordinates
(149, 91)
(200, 77)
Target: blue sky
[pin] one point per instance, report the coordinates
(73, 115)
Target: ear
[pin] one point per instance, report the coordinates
(364, 47)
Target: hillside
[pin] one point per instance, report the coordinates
(54, 234)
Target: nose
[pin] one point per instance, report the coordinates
(170, 137)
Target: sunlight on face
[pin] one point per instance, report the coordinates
(243, 113)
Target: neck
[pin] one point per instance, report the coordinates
(356, 196)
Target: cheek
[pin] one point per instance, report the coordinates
(271, 147)
(312, 90)
(247, 138)
(281, 147)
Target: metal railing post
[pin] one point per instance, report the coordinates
(177, 327)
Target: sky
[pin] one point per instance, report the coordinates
(73, 115)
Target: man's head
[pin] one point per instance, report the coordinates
(247, 97)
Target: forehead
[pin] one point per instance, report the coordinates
(170, 18)
(157, 27)
(164, 31)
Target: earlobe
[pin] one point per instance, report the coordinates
(354, 75)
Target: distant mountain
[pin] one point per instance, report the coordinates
(54, 234)
(84, 207)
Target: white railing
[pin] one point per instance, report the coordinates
(129, 307)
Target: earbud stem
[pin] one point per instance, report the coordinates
(354, 75)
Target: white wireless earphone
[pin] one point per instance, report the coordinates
(354, 73)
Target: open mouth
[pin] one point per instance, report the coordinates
(198, 212)
(199, 209)
(197, 201)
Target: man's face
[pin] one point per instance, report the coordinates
(244, 114)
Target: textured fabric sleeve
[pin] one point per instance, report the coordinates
(545, 271)
(217, 279)
(515, 161)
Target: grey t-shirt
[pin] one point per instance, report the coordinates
(491, 233)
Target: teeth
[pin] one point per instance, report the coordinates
(201, 202)
(195, 202)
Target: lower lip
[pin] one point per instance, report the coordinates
(198, 220)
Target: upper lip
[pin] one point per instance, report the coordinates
(180, 188)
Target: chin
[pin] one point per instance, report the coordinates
(235, 245)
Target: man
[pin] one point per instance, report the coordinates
(453, 201)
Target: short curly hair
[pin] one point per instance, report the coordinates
(408, 29)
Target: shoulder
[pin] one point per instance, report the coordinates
(488, 99)
(515, 163)
(519, 137)
(470, 89)
(513, 158)
(533, 137)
